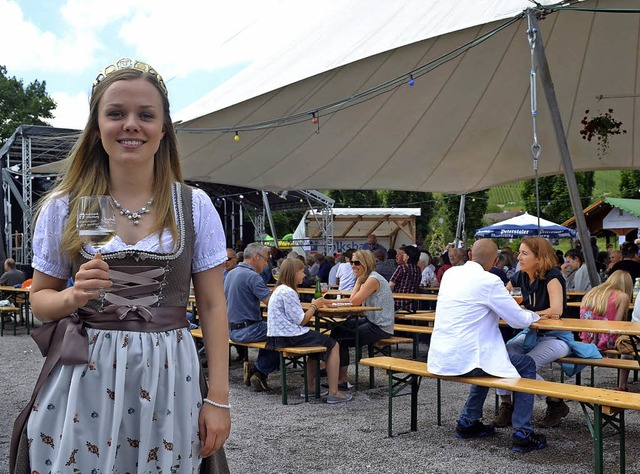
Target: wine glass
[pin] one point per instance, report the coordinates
(96, 223)
(516, 292)
(324, 288)
(276, 273)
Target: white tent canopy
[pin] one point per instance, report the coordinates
(463, 126)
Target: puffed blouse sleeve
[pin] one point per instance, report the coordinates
(210, 248)
(47, 257)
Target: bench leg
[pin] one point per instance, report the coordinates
(623, 444)
(596, 427)
(598, 443)
(396, 385)
(283, 380)
(439, 401)
(390, 405)
(372, 381)
(415, 386)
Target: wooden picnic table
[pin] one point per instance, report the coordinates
(589, 325)
(17, 293)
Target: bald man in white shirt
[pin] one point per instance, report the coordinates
(466, 340)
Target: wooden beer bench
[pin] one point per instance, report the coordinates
(608, 406)
(289, 356)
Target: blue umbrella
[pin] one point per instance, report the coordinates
(525, 225)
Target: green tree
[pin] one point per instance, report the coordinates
(630, 184)
(22, 105)
(555, 204)
(474, 210)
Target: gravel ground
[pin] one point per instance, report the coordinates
(314, 437)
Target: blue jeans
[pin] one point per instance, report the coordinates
(522, 402)
(267, 361)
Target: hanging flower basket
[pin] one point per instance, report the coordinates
(601, 126)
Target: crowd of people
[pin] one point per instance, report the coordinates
(122, 391)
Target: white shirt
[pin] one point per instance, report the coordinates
(285, 313)
(429, 276)
(466, 336)
(346, 276)
(635, 315)
(332, 274)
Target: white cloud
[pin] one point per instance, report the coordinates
(40, 49)
(72, 111)
(177, 38)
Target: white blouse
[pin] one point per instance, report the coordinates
(209, 242)
(285, 313)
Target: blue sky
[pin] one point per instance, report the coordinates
(194, 44)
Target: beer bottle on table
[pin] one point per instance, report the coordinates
(318, 293)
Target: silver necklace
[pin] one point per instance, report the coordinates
(133, 216)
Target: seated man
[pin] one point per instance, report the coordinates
(466, 340)
(11, 276)
(244, 289)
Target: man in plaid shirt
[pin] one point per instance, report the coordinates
(406, 278)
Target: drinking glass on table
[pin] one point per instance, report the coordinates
(276, 273)
(324, 288)
(96, 222)
(516, 292)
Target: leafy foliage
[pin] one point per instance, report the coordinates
(630, 184)
(475, 209)
(357, 198)
(22, 105)
(555, 204)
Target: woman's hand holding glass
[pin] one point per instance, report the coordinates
(96, 223)
(91, 281)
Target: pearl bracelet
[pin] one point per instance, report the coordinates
(216, 404)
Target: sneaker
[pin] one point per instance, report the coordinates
(477, 429)
(333, 399)
(554, 414)
(247, 369)
(259, 382)
(341, 386)
(523, 444)
(504, 415)
(312, 393)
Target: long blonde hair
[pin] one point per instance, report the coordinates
(86, 171)
(597, 298)
(288, 269)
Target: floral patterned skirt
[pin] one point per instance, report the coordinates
(133, 408)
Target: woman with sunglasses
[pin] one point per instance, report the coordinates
(371, 289)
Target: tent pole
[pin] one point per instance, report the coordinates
(561, 139)
(267, 207)
(460, 220)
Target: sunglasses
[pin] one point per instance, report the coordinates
(356, 263)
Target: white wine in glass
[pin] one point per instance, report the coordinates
(96, 221)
